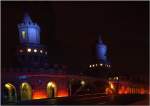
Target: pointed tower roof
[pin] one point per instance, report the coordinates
(27, 19)
(100, 39)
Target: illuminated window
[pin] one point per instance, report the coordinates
(29, 49)
(35, 50)
(26, 91)
(96, 65)
(23, 34)
(93, 65)
(101, 64)
(51, 89)
(41, 51)
(11, 92)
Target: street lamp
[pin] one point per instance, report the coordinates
(82, 83)
(29, 49)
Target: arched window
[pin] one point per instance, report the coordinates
(51, 89)
(10, 94)
(25, 91)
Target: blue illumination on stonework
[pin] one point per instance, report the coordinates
(31, 52)
(29, 32)
(22, 77)
(101, 51)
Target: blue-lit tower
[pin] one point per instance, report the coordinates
(30, 52)
(101, 50)
(29, 32)
(101, 67)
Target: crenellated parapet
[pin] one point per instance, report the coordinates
(29, 32)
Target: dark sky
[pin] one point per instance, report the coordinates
(71, 29)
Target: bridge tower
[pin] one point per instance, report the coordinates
(101, 50)
(30, 52)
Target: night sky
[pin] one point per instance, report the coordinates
(70, 30)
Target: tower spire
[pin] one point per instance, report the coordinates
(100, 39)
(27, 19)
